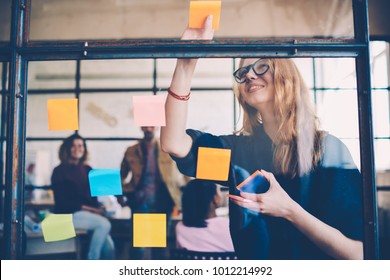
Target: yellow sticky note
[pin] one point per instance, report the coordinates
(213, 164)
(200, 10)
(63, 114)
(149, 230)
(56, 227)
(149, 110)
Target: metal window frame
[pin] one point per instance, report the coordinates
(21, 50)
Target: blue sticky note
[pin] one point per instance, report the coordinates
(105, 182)
(255, 183)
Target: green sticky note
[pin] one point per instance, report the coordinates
(57, 227)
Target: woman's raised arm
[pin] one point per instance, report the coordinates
(174, 139)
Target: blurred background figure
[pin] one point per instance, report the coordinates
(201, 229)
(155, 182)
(72, 195)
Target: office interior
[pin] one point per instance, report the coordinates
(105, 52)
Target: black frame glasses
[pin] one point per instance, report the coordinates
(259, 68)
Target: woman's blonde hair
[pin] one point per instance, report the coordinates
(298, 139)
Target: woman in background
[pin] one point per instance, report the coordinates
(201, 229)
(72, 196)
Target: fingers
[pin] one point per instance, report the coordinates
(208, 23)
(248, 204)
(249, 196)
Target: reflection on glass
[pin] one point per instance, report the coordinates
(90, 19)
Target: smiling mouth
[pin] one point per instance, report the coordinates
(254, 88)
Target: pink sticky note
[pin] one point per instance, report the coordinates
(149, 110)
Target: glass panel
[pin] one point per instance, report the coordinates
(381, 113)
(52, 75)
(5, 20)
(337, 112)
(380, 64)
(219, 76)
(41, 158)
(107, 154)
(382, 152)
(335, 73)
(119, 19)
(212, 111)
(135, 73)
(37, 121)
(108, 115)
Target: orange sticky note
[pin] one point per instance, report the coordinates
(149, 110)
(200, 10)
(150, 230)
(63, 114)
(213, 164)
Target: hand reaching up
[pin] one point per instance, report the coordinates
(206, 33)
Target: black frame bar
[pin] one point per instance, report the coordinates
(21, 50)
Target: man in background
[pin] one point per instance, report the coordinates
(154, 186)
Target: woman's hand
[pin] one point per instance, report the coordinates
(206, 33)
(275, 202)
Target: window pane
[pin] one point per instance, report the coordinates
(135, 73)
(108, 115)
(381, 113)
(380, 64)
(119, 19)
(5, 20)
(335, 73)
(337, 111)
(37, 120)
(52, 75)
(219, 75)
(382, 152)
(212, 111)
(104, 154)
(41, 158)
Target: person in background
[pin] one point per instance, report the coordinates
(201, 229)
(155, 181)
(313, 207)
(72, 196)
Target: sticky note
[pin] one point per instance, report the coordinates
(105, 182)
(57, 227)
(200, 10)
(149, 230)
(213, 164)
(63, 114)
(255, 183)
(149, 110)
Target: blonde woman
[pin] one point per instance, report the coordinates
(313, 208)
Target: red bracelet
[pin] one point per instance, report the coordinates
(179, 97)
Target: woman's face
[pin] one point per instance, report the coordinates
(77, 150)
(257, 89)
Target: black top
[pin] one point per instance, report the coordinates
(332, 193)
(71, 188)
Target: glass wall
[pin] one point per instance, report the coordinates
(115, 19)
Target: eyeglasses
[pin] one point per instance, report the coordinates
(259, 68)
